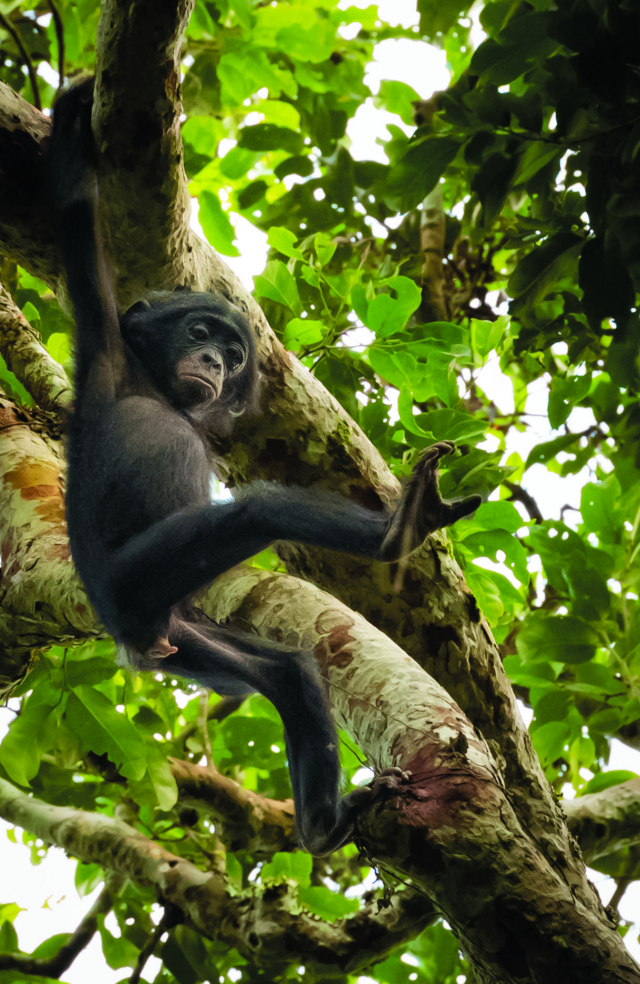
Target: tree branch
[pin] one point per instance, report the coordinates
(606, 822)
(55, 966)
(23, 351)
(247, 820)
(24, 55)
(346, 946)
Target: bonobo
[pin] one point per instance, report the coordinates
(150, 384)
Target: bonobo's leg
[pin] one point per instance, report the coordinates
(291, 682)
(177, 556)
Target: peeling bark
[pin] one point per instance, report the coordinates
(265, 926)
(41, 600)
(606, 822)
(26, 357)
(247, 821)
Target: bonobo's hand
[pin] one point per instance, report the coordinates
(73, 149)
(421, 509)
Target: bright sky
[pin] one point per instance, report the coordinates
(47, 891)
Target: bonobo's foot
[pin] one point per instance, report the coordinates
(151, 658)
(382, 785)
(421, 509)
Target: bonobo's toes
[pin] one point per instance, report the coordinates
(161, 648)
(422, 510)
(388, 781)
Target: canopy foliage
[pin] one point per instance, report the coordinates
(501, 229)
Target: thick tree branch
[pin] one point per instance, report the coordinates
(41, 599)
(26, 356)
(55, 966)
(247, 820)
(606, 822)
(347, 946)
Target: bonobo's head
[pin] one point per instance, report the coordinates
(198, 350)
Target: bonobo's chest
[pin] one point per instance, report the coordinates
(135, 464)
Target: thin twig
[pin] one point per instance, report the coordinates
(17, 40)
(170, 918)
(55, 966)
(59, 29)
(518, 494)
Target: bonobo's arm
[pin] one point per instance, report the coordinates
(75, 197)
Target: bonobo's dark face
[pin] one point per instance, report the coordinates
(196, 347)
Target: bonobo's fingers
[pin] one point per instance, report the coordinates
(421, 509)
(388, 780)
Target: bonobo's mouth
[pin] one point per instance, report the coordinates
(206, 387)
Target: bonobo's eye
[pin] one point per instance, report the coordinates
(234, 356)
(200, 333)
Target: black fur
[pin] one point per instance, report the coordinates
(143, 531)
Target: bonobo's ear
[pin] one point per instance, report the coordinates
(137, 308)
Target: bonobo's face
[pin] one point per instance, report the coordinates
(196, 347)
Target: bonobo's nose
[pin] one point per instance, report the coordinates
(212, 361)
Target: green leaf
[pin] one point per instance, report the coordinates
(397, 97)
(268, 136)
(557, 639)
(276, 283)
(605, 780)
(542, 453)
(410, 180)
(31, 734)
(325, 903)
(486, 335)
(487, 543)
(300, 333)
(565, 392)
(386, 314)
(103, 730)
(284, 240)
(550, 741)
(216, 224)
(161, 776)
(601, 512)
(538, 273)
(324, 247)
(288, 867)
(537, 154)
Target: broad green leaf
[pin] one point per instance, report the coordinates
(599, 505)
(537, 154)
(31, 734)
(103, 730)
(565, 392)
(324, 247)
(551, 740)
(300, 333)
(487, 543)
(268, 136)
(386, 314)
(216, 224)
(410, 180)
(542, 453)
(557, 639)
(284, 240)
(540, 270)
(325, 903)
(487, 335)
(161, 776)
(288, 867)
(276, 283)
(605, 780)
(397, 97)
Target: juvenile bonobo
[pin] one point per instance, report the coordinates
(144, 534)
